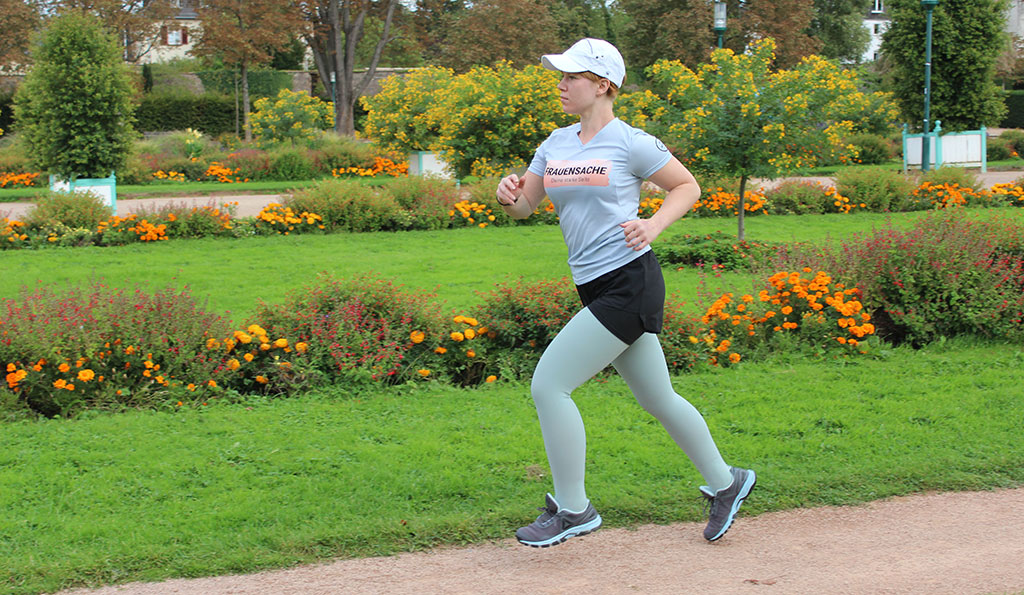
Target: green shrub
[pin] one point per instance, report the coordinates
(211, 113)
(74, 106)
(290, 117)
(952, 175)
(1016, 139)
(998, 149)
(715, 250)
(76, 210)
(947, 275)
(881, 189)
(362, 329)
(796, 197)
(348, 205)
(99, 346)
(252, 164)
(427, 200)
(524, 317)
(291, 164)
(397, 117)
(334, 151)
(872, 149)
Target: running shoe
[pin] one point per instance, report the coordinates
(725, 503)
(554, 526)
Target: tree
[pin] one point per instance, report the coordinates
(134, 23)
(479, 35)
(74, 108)
(838, 24)
(20, 21)
(334, 30)
(785, 21)
(667, 29)
(738, 117)
(243, 33)
(429, 18)
(967, 39)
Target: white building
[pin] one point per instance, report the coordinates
(176, 36)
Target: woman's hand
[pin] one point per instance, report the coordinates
(640, 233)
(510, 188)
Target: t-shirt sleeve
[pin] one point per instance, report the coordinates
(647, 155)
(540, 159)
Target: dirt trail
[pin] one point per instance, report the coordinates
(950, 543)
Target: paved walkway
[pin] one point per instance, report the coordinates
(251, 205)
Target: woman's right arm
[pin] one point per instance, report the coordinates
(519, 197)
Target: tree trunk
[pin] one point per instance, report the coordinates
(244, 67)
(741, 207)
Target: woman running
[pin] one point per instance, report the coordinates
(592, 172)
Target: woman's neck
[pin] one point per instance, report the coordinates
(594, 120)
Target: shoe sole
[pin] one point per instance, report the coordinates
(576, 531)
(737, 503)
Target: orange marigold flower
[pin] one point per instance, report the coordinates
(417, 336)
(301, 347)
(734, 357)
(423, 372)
(470, 353)
(262, 379)
(470, 333)
(248, 357)
(281, 343)
(64, 367)
(440, 351)
(457, 336)
(86, 375)
(491, 378)
(233, 364)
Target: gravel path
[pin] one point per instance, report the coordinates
(950, 543)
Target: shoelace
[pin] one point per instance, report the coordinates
(708, 506)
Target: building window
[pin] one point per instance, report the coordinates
(878, 29)
(878, 6)
(176, 36)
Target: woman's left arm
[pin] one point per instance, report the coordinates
(683, 193)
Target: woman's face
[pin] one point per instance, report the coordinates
(577, 92)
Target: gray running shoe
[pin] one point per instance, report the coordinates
(554, 526)
(725, 503)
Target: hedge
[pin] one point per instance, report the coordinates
(1014, 110)
(210, 113)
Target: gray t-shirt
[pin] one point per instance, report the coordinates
(595, 187)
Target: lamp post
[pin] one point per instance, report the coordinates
(720, 11)
(928, 5)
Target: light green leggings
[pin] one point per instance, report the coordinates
(582, 349)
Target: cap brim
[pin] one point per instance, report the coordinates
(562, 63)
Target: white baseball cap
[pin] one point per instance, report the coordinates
(589, 55)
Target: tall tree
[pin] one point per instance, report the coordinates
(667, 30)
(20, 21)
(838, 25)
(479, 34)
(967, 39)
(429, 17)
(785, 21)
(243, 33)
(335, 28)
(135, 23)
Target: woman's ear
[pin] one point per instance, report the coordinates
(603, 87)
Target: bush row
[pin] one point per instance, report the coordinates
(66, 350)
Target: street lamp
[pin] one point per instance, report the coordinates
(720, 20)
(928, 5)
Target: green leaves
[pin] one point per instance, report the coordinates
(75, 107)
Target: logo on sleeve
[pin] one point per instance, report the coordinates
(577, 173)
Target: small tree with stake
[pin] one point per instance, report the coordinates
(74, 109)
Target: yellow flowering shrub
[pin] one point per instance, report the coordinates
(397, 116)
(492, 118)
(293, 117)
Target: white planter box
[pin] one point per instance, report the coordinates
(104, 188)
(425, 162)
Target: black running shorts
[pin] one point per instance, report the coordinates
(630, 300)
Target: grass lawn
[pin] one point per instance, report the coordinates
(455, 264)
(236, 488)
(229, 488)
